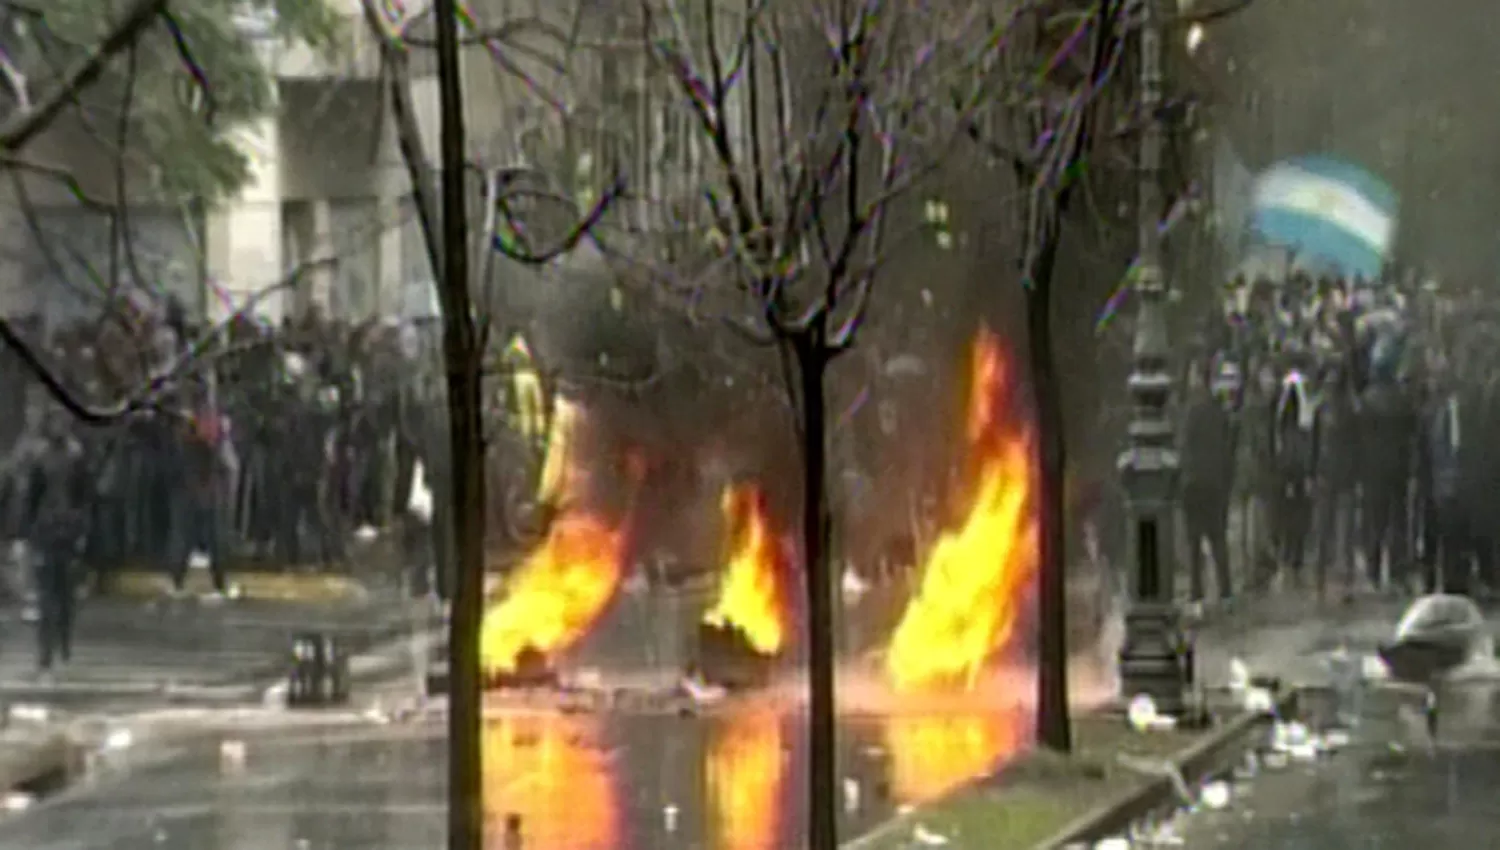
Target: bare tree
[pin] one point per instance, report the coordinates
(818, 120)
(115, 292)
(462, 266)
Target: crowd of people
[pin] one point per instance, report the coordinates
(275, 445)
(1339, 433)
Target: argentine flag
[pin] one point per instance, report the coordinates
(1330, 213)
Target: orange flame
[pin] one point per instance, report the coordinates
(931, 754)
(745, 770)
(552, 772)
(976, 576)
(557, 593)
(752, 597)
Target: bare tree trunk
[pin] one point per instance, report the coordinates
(1053, 729)
(812, 358)
(461, 356)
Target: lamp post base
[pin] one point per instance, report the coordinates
(1157, 659)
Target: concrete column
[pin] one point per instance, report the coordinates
(322, 282)
(389, 282)
(424, 100)
(243, 239)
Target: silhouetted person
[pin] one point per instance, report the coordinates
(1208, 447)
(58, 496)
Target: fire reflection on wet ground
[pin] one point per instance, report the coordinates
(726, 781)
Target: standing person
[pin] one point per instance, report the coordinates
(59, 494)
(1294, 449)
(1208, 447)
(1387, 442)
(1337, 482)
(1448, 560)
(207, 469)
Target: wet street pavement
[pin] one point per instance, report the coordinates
(577, 782)
(730, 779)
(126, 651)
(1392, 787)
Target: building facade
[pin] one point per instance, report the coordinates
(327, 180)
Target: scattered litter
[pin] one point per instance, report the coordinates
(1114, 842)
(700, 691)
(1276, 761)
(669, 817)
(1239, 675)
(275, 696)
(1215, 795)
(1249, 768)
(927, 838)
(854, 587)
(1288, 736)
(365, 533)
(18, 801)
(232, 755)
(1141, 712)
(1335, 739)
(1143, 716)
(1161, 834)
(1259, 701)
(29, 713)
(377, 715)
(904, 809)
(1374, 669)
(119, 739)
(588, 678)
(851, 795)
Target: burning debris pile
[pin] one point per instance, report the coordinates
(741, 636)
(562, 588)
(977, 575)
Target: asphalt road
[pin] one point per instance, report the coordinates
(127, 652)
(726, 780)
(577, 782)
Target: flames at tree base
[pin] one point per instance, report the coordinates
(532, 670)
(726, 658)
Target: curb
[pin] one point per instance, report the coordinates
(255, 585)
(1213, 754)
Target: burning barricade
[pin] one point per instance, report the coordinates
(742, 635)
(977, 575)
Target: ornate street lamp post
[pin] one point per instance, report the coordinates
(1156, 660)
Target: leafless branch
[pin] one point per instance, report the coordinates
(26, 124)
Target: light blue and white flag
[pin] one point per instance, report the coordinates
(1328, 213)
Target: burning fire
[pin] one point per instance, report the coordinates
(978, 572)
(931, 754)
(552, 772)
(752, 598)
(553, 598)
(745, 771)
(567, 582)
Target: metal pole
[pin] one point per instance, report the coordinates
(1155, 660)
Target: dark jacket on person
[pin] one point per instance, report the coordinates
(59, 491)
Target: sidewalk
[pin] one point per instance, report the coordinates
(184, 650)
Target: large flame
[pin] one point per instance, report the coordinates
(561, 589)
(566, 583)
(552, 773)
(975, 578)
(745, 770)
(931, 754)
(753, 596)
